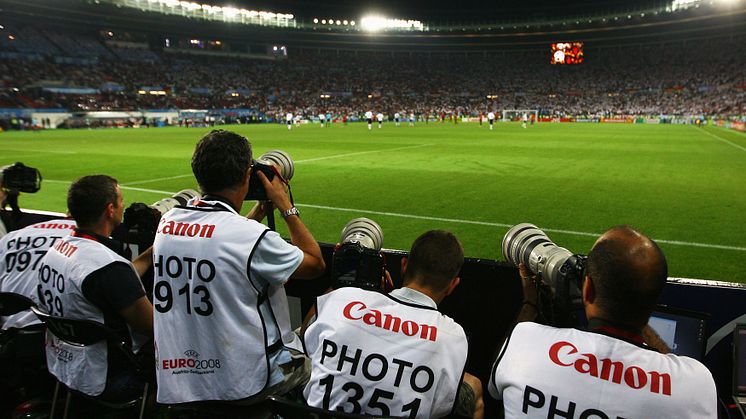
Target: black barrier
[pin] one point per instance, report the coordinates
(489, 297)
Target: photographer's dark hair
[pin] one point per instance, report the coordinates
(436, 256)
(88, 197)
(220, 160)
(629, 272)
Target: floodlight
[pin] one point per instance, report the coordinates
(11, 37)
(323, 21)
(315, 21)
(338, 22)
(352, 23)
(344, 22)
(2, 27)
(373, 23)
(274, 48)
(230, 12)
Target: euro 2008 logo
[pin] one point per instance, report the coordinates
(191, 363)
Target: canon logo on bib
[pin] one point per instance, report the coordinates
(357, 310)
(565, 354)
(186, 229)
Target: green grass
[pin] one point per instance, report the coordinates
(674, 183)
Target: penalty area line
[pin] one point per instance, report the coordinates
(451, 220)
(485, 223)
(127, 188)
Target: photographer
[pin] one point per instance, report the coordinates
(83, 276)
(608, 370)
(221, 310)
(395, 354)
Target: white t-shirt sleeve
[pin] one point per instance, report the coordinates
(274, 259)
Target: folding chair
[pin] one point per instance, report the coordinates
(85, 333)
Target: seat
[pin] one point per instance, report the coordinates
(22, 356)
(288, 409)
(85, 333)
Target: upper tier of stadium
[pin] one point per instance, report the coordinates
(680, 61)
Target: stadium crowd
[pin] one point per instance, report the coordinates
(704, 77)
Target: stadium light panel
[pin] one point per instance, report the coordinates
(315, 21)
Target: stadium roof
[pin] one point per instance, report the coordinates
(443, 11)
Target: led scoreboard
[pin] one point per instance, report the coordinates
(567, 53)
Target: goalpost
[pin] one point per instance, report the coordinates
(517, 114)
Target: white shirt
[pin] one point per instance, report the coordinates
(369, 115)
(490, 115)
(540, 367)
(410, 357)
(289, 116)
(379, 117)
(20, 255)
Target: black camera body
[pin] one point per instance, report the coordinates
(256, 187)
(354, 265)
(21, 178)
(568, 298)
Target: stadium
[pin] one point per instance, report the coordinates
(472, 118)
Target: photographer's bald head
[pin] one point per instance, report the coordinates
(626, 273)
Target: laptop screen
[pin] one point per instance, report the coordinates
(739, 363)
(682, 330)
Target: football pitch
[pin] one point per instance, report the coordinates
(683, 186)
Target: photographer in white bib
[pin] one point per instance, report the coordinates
(608, 370)
(220, 305)
(395, 354)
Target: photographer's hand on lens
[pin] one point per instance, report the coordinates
(530, 285)
(387, 284)
(276, 191)
(259, 211)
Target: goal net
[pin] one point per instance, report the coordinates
(517, 114)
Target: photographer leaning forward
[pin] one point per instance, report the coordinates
(221, 314)
(608, 370)
(395, 354)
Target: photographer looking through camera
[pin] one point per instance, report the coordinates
(607, 370)
(221, 314)
(394, 352)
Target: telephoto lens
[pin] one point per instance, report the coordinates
(364, 231)
(357, 260)
(280, 159)
(180, 198)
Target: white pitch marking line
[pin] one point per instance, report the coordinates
(156, 191)
(336, 156)
(717, 137)
(457, 221)
(139, 182)
(484, 223)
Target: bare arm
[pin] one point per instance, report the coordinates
(313, 262)
(143, 261)
(258, 212)
(529, 308)
(139, 315)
